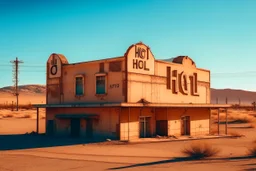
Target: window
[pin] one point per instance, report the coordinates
(115, 66)
(79, 85)
(101, 67)
(168, 75)
(101, 84)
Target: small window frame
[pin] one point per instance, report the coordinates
(106, 83)
(83, 81)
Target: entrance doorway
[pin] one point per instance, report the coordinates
(50, 128)
(145, 127)
(162, 127)
(75, 128)
(89, 128)
(185, 125)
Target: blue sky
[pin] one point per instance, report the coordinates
(219, 35)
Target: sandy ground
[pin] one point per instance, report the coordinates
(29, 153)
(24, 98)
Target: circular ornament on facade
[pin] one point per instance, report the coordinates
(54, 70)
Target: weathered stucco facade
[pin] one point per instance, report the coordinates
(128, 97)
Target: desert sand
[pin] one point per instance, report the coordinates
(20, 150)
(31, 152)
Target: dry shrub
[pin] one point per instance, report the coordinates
(251, 125)
(235, 134)
(200, 150)
(26, 116)
(213, 131)
(8, 116)
(252, 151)
(242, 118)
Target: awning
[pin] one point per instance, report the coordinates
(78, 116)
(171, 105)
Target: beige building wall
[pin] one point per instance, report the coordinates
(88, 70)
(131, 130)
(199, 121)
(107, 125)
(61, 86)
(148, 79)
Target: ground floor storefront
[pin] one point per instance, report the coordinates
(128, 122)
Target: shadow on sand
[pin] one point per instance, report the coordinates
(184, 159)
(28, 141)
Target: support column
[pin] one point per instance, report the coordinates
(129, 124)
(210, 121)
(37, 120)
(218, 121)
(167, 122)
(226, 125)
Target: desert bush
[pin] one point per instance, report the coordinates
(26, 116)
(21, 106)
(8, 116)
(242, 118)
(213, 131)
(252, 151)
(235, 134)
(200, 150)
(251, 125)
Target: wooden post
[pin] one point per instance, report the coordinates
(226, 125)
(37, 120)
(12, 105)
(218, 121)
(129, 124)
(226, 100)
(254, 106)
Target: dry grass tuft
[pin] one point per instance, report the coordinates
(252, 151)
(252, 125)
(26, 116)
(235, 134)
(200, 150)
(236, 117)
(21, 106)
(8, 116)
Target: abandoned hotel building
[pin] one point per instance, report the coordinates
(128, 97)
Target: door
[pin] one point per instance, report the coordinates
(162, 127)
(145, 127)
(75, 128)
(89, 128)
(50, 128)
(185, 125)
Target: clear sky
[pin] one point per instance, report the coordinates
(219, 35)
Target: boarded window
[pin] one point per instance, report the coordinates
(79, 86)
(102, 67)
(115, 66)
(100, 84)
(168, 77)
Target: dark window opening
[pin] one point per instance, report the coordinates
(100, 85)
(79, 86)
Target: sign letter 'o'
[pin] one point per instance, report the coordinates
(54, 70)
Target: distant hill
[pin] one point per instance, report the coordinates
(246, 97)
(28, 89)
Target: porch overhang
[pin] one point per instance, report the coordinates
(171, 105)
(77, 116)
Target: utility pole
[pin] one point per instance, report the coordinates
(16, 80)
(254, 106)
